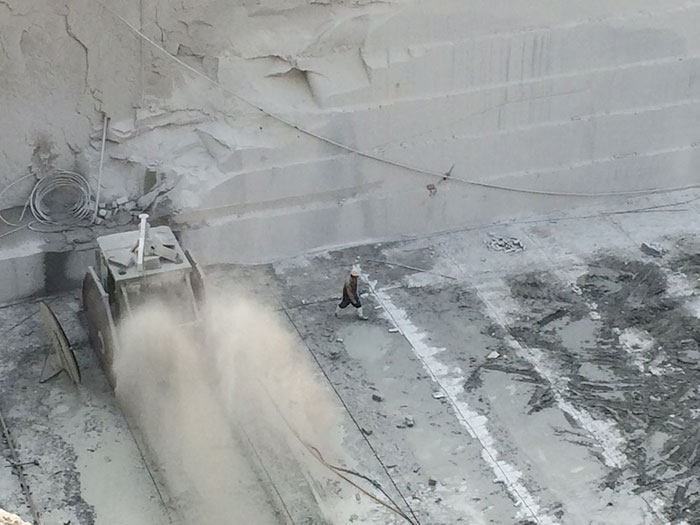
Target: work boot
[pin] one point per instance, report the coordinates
(361, 314)
(337, 311)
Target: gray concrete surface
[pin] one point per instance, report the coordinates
(554, 407)
(88, 468)
(556, 385)
(580, 461)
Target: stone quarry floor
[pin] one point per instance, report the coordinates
(554, 385)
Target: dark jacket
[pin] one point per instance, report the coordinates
(350, 290)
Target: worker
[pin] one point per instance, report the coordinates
(350, 295)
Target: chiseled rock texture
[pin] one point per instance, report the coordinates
(586, 96)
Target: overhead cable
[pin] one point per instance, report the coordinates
(377, 158)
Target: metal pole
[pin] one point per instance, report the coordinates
(141, 53)
(143, 233)
(102, 158)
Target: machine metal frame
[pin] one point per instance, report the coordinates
(131, 268)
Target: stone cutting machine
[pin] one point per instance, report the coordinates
(138, 266)
(131, 268)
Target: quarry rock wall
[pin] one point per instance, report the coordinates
(61, 65)
(551, 96)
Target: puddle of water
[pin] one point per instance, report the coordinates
(577, 335)
(371, 347)
(596, 373)
(655, 443)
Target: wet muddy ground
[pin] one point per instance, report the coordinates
(553, 385)
(633, 359)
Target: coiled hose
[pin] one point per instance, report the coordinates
(67, 181)
(73, 212)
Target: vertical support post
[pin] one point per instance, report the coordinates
(143, 234)
(141, 56)
(102, 158)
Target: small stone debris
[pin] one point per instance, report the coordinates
(377, 398)
(439, 395)
(122, 200)
(432, 482)
(366, 431)
(357, 497)
(338, 339)
(122, 217)
(554, 316)
(102, 212)
(416, 468)
(393, 330)
(689, 358)
(129, 206)
(409, 421)
(99, 220)
(493, 355)
(542, 398)
(81, 238)
(504, 244)
(653, 249)
(331, 338)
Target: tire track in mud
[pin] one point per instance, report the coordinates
(569, 269)
(638, 367)
(500, 306)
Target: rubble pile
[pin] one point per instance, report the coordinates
(504, 244)
(119, 212)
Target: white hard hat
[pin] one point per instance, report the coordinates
(355, 272)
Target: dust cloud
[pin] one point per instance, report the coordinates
(223, 407)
